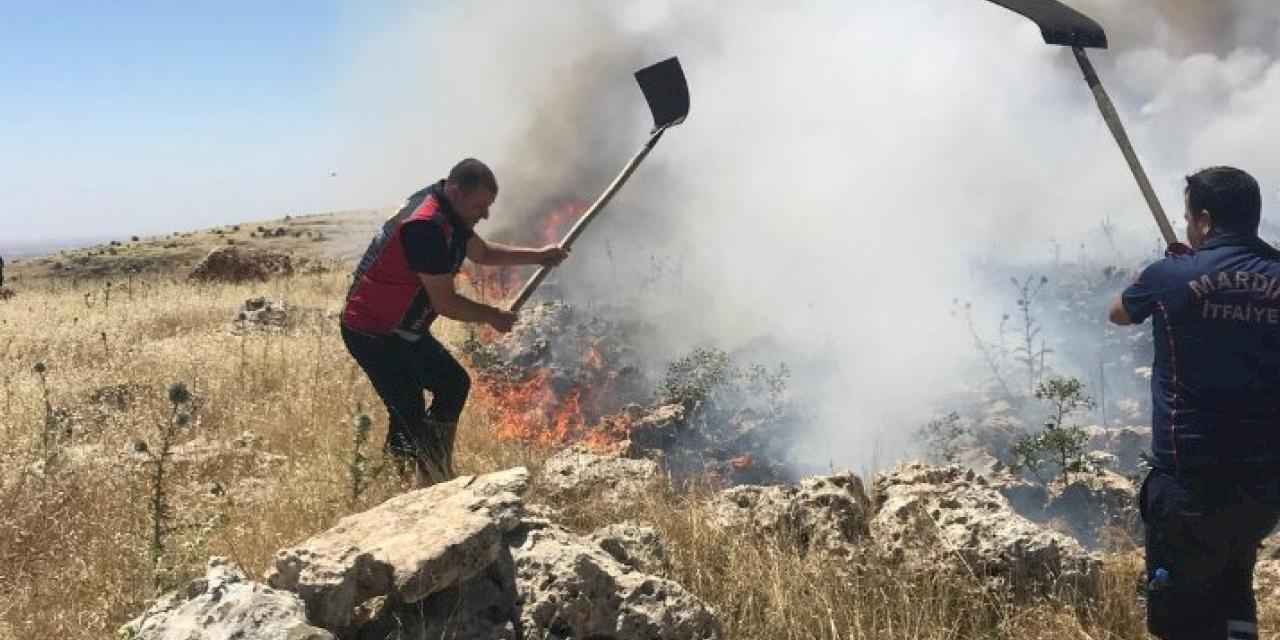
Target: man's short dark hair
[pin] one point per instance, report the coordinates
(471, 174)
(1230, 195)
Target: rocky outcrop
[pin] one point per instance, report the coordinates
(231, 264)
(634, 545)
(406, 549)
(571, 588)
(1127, 444)
(261, 314)
(950, 517)
(224, 604)
(577, 471)
(549, 583)
(1094, 506)
(830, 513)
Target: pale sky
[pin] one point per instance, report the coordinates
(145, 117)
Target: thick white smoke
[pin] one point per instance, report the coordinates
(843, 167)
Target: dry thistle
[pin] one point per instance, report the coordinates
(359, 467)
(179, 394)
(161, 512)
(47, 434)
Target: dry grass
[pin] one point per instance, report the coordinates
(73, 541)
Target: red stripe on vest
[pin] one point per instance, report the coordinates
(385, 291)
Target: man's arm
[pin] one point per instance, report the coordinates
(481, 251)
(1139, 300)
(1118, 314)
(446, 301)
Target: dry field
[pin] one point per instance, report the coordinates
(76, 503)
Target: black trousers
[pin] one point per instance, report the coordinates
(1202, 535)
(400, 370)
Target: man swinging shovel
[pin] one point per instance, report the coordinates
(1213, 493)
(406, 279)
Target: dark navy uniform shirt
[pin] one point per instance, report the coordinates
(1215, 383)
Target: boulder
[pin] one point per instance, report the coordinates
(550, 584)
(261, 313)
(656, 428)
(577, 471)
(829, 513)
(571, 588)
(1127, 444)
(408, 548)
(485, 606)
(224, 604)
(634, 545)
(231, 264)
(1091, 505)
(950, 518)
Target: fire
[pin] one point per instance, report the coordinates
(532, 411)
(495, 285)
(560, 220)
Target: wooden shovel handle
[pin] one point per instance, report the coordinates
(1112, 117)
(541, 274)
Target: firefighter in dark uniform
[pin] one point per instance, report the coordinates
(403, 282)
(1213, 492)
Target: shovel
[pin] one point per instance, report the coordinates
(1064, 26)
(667, 93)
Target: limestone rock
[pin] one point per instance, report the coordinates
(485, 606)
(576, 471)
(633, 545)
(938, 517)
(261, 314)
(1127, 444)
(407, 548)
(657, 428)
(830, 513)
(224, 604)
(571, 588)
(1092, 504)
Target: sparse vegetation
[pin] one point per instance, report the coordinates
(159, 459)
(708, 382)
(1060, 442)
(48, 427)
(1028, 352)
(76, 548)
(942, 437)
(359, 467)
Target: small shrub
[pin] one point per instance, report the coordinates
(943, 437)
(1059, 443)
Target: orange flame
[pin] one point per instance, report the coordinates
(531, 411)
(560, 220)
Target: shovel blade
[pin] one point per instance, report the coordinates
(1059, 24)
(666, 91)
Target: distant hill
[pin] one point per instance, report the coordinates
(338, 235)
